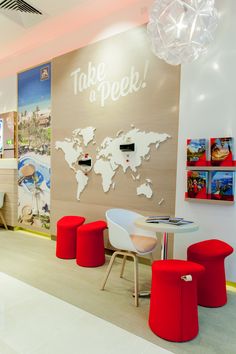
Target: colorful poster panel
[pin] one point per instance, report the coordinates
(222, 185)
(34, 136)
(7, 134)
(196, 152)
(1, 136)
(222, 151)
(197, 182)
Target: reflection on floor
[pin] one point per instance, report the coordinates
(32, 260)
(33, 322)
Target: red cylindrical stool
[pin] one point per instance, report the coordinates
(90, 244)
(173, 306)
(212, 285)
(66, 236)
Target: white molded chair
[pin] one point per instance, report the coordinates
(129, 240)
(2, 194)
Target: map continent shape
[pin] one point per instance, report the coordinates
(111, 148)
(109, 156)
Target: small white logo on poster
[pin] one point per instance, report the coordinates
(105, 89)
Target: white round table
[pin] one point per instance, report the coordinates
(165, 229)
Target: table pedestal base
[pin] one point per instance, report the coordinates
(164, 246)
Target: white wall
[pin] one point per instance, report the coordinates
(8, 94)
(208, 109)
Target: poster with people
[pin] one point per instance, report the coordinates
(222, 151)
(197, 182)
(34, 136)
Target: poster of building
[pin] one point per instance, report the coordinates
(34, 135)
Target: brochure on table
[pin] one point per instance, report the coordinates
(167, 220)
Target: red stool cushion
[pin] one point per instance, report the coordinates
(212, 285)
(173, 306)
(90, 244)
(66, 236)
(209, 249)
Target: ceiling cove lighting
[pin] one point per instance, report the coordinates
(180, 30)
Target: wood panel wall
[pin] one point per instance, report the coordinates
(154, 108)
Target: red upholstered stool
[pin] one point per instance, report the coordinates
(212, 285)
(66, 236)
(90, 244)
(173, 306)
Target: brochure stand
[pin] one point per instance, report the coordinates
(210, 181)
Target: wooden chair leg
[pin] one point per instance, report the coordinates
(136, 295)
(109, 269)
(3, 220)
(123, 266)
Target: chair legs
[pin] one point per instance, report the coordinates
(109, 269)
(123, 266)
(124, 254)
(136, 295)
(3, 220)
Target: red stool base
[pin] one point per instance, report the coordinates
(173, 306)
(66, 236)
(90, 244)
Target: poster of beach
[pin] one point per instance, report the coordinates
(222, 185)
(34, 136)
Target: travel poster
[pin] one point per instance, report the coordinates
(222, 185)
(196, 152)
(197, 182)
(34, 136)
(222, 151)
(7, 137)
(1, 136)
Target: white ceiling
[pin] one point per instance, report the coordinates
(10, 30)
(66, 25)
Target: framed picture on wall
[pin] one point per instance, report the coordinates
(196, 152)
(222, 185)
(221, 151)
(197, 182)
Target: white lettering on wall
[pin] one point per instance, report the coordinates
(102, 90)
(84, 81)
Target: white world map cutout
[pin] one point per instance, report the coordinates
(109, 158)
(86, 133)
(145, 189)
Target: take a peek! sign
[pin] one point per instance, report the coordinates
(95, 80)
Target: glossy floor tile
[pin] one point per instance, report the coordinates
(34, 322)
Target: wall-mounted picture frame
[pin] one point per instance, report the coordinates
(197, 152)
